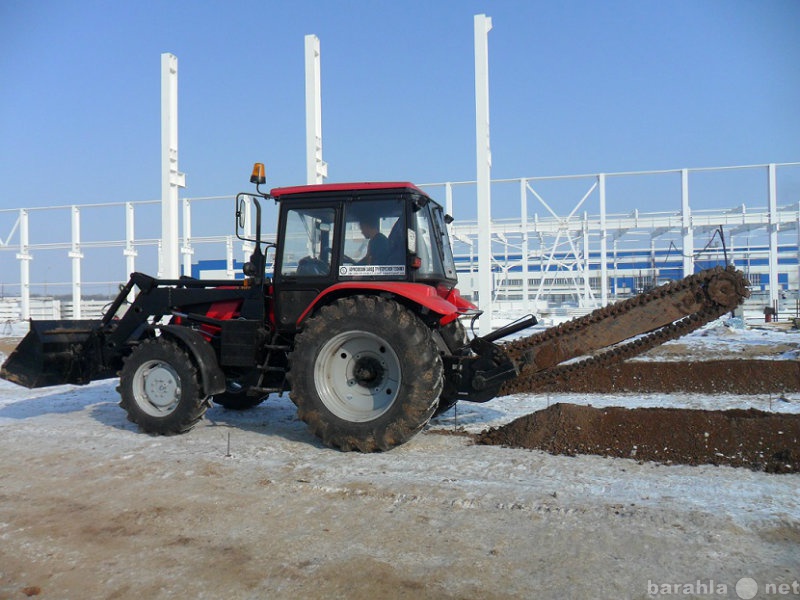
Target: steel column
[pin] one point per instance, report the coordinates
(483, 25)
(24, 256)
(316, 168)
(523, 205)
(773, 228)
(601, 183)
(686, 226)
(130, 250)
(171, 178)
(186, 249)
(229, 257)
(76, 255)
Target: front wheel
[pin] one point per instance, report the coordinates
(365, 374)
(159, 388)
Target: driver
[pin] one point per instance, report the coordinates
(378, 245)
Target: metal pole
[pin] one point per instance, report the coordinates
(448, 198)
(229, 257)
(186, 249)
(130, 250)
(774, 226)
(483, 25)
(601, 182)
(523, 204)
(316, 168)
(25, 259)
(171, 178)
(76, 255)
(686, 226)
(587, 288)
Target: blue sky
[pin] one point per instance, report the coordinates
(576, 87)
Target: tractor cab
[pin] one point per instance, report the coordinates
(354, 235)
(348, 236)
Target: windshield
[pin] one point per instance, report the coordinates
(448, 262)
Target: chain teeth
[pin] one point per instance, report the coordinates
(530, 381)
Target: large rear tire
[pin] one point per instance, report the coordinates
(159, 388)
(365, 374)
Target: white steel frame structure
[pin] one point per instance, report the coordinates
(571, 255)
(574, 253)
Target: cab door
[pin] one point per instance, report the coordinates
(304, 264)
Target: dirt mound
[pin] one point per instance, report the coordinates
(740, 438)
(712, 377)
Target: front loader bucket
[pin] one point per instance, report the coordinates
(54, 353)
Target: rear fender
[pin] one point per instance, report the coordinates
(212, 379)
(425, 296)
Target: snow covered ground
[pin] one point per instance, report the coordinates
(435, 518)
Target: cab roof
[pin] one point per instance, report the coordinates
(344, 187)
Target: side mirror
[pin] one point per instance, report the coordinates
(258, 176)
(241, 213)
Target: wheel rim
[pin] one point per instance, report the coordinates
(156, 388)
(357, 375)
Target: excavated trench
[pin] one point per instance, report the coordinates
(763, 441)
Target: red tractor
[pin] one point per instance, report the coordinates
(360, 321)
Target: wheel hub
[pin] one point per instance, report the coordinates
(367, 371)
(358, 375)
(158, 385)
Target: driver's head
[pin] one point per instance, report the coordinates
(369, 226)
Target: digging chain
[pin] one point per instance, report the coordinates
(722, 289)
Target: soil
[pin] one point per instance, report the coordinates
(753, 439)
(740, 438)
(706, 377)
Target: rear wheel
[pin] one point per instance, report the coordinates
(159, 388)
(365, 374)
